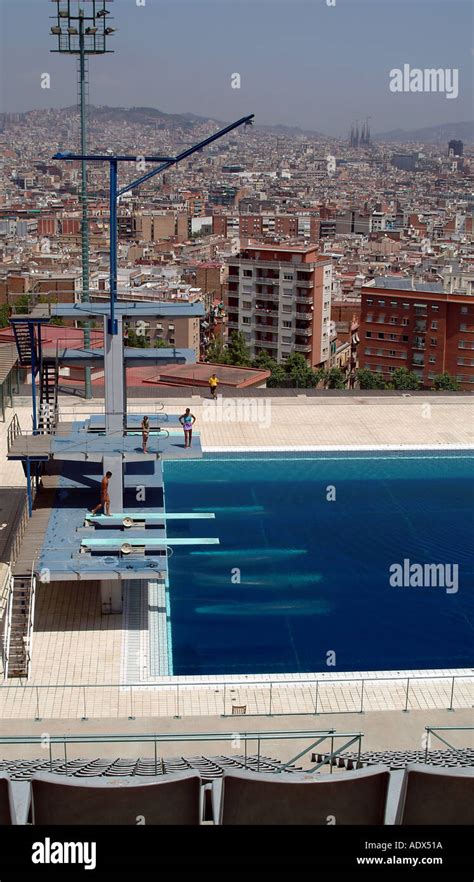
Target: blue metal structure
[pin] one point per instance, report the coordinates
(114, 192)
(87, 450)
(27, 333)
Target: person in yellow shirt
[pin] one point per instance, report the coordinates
(213, 381)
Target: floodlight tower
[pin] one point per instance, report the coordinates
(82, 28)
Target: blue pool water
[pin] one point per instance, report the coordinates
(314, 574)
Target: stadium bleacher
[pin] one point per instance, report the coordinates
(209, 767)
(399, 759)
(240, 790)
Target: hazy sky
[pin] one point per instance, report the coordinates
(301, 62)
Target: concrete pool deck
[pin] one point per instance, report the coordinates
(74, 644)
(392, 730)
(297, 422)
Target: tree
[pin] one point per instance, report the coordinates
(300, 372)
(368, 379)
(238, 351)
(334, 378)
(264, 362)
(160, 344)
(4, 313)
(445, 381)
(131, 338)
(404, 379)
(216, 352)
(22, 304)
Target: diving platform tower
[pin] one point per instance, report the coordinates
(66, 461)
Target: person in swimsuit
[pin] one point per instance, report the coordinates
(145, 432)
(104, 495)
(187, 421)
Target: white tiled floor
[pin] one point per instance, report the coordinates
(76, 645)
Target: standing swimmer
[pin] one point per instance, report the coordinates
(187, 421)
(104, 495)
(145, 432)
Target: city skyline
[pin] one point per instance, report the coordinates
(190, 69)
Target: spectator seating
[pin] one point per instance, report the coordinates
(354, 798)
(14, 801)
(399, 759)
(175, 800)
(224, 792)
(208, 767)
(436, 796)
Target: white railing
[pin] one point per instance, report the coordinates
(8, 622)
(277, 696)
(86, 409)
(31, 618)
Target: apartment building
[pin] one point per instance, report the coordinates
(422, 327)
(152, 226)
(65, 286)
(249, 226)
(180, 332)
(279, 297)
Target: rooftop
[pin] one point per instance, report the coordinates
(198, 375)
(401, 284)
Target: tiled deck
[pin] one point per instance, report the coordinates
(182, 699)
(75, 645)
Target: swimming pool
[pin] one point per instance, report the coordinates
(303, 566)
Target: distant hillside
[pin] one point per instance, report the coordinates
(151, 116)
(292, 130)
(145, 116)
(138, 115)
(431, 134)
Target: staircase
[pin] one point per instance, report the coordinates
(48, 396)
(19, 626)
(25, 339)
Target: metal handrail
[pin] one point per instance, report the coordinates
(29, 627)
(176, 684)
(434, 730)
(83, 443)
(14, 429)
(84, 410)
(8, 622)
(316, 736)
(20, 531)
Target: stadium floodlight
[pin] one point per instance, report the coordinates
(83, 33)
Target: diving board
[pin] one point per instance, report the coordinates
(139, 542)
(146, 517)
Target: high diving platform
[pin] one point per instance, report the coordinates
(67, 462)
(64, 541)
(76, 445)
